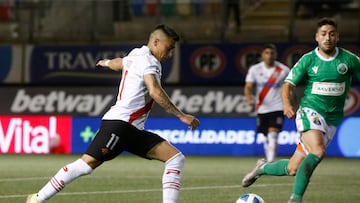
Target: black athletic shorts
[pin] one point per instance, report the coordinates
(267, 120)
(116, 136)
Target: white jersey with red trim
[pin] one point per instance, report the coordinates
(268, 82)
(133, 102)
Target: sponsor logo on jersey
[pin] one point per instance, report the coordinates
(316, 120)
(328, 88)
(315, 69)
(342, 68)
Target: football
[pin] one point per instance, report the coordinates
(250, 198)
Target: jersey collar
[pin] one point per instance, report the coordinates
(326, 59)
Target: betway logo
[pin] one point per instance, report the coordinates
(60, 102)
(210, 102)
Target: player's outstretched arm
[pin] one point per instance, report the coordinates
(160, 97)
(287, 94)
(114, 64)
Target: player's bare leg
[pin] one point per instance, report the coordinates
(295, 160)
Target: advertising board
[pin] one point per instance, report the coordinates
(93, 101)
(11, 69)
(76, 64)
(227, 64)
(192, 64)
(35, 134)
(217, 136)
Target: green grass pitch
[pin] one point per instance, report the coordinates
(129, 179)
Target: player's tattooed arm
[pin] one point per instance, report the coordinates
(114, 64)
(160, 97)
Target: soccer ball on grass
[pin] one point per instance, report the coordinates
(250, 198)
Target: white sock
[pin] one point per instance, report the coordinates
(266, 147)
(63, 177)
(272, 146)
(171, 178)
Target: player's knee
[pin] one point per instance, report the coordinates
(319, 153)
(178, 161)
(173, 169)
(174, 165)
(82, 167)
(181, 158)
(273, 135)
(292, 170)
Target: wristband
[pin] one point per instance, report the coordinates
(107, 61)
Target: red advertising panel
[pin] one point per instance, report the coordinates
(35, 134)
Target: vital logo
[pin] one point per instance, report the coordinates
(26, 135)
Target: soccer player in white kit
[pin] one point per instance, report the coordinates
(328, 71)
(122, 126)
(267, 76)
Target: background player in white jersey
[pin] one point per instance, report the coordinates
(122, 127)
(328, 71)
(267, 76)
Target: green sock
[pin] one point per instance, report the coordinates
(303, 175)
(278, 168)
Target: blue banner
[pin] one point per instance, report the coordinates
(229, 63)
(83, 132)
(221, 136)
(5, 61)
(225, 136)
(224, 64)
(347, 141)
(76, 64)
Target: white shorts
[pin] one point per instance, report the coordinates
(309, 119)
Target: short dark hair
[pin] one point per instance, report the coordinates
(269, 46)
(171, 33)
(326, 21)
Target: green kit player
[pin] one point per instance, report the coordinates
(327, 72)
